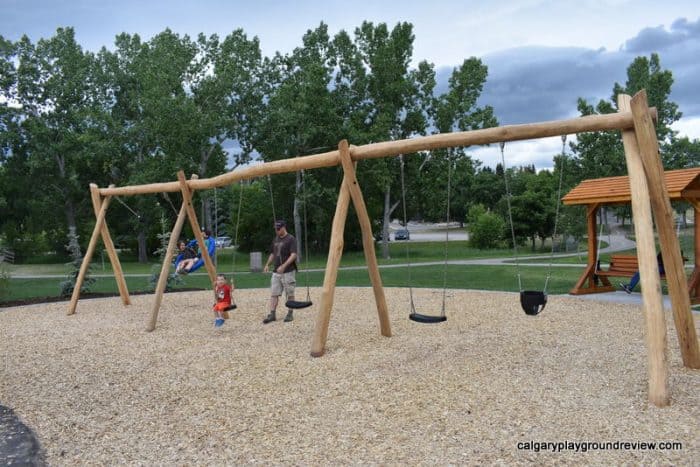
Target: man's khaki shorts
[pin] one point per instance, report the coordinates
(286, 282)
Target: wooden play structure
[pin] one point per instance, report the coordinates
(681, 185)
(648, 189)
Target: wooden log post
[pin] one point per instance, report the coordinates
(335, 253)
(694, 281)
(588, 276)
(165, 268)
(88, 256)
(652, 302)
(663, 215)
(109, 246)
(192, 215)
(367, 237)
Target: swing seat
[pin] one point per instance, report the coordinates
(427, 319)
(296, 305)
(533, 301)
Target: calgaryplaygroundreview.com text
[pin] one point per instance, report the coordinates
(585, 446)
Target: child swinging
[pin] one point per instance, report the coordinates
(223, 303)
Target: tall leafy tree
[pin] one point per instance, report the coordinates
(456, 110)
(600, 154)
(390, 101)
(62, 126)
(301, 117)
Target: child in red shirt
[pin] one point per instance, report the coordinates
(223, 299)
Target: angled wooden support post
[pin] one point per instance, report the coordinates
(367, 237)
(335, 253)
(88, 255)
(165, 268)
(109, 246)
(663, 215)
(192, 215)
(646, 253)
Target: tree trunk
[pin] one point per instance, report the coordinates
(141, 238)
(69, 208)
(385, 223)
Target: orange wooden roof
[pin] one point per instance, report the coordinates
(681, 184)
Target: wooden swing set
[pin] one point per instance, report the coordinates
(634, 119)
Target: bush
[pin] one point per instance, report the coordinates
(173, 279)
(486, 231)
(68, 285)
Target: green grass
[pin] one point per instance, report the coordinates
(458, 277)
(418, 252)
(501, 277)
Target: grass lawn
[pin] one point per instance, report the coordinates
(501, 277)
(458, 277)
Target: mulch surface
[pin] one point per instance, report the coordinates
(488, 386)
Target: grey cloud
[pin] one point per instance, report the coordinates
(543, 83)
(658, 38)
(531, 84)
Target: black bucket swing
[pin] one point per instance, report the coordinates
(413, 315)
(297, 304)
(533, 302)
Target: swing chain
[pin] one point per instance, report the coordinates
(306, 237)
(510, 216)
(138, 216)
(556, 214)
(447, 229)
(405, 223)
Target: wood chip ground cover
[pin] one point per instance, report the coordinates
(96, 389)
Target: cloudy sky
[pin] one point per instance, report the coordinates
(542, 54)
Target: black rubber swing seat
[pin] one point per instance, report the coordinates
(295, 305)
(427, 319)
(533, 301)
(232, 306)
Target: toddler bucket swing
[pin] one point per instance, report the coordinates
(533, 302)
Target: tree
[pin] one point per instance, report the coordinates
(301, 116)
(455, 110)
(62, 110)
(388, 101)
(486, 228)
(600, 154)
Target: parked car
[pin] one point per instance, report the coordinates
(378, 236)
(402, 235)
(223, 242)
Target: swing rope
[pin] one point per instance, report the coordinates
(272, 198)
(167, 198)
(532, 301)
(447, 231)
(556, 213)
(405, 223)
(138, 216)
(306, 238)
(413, 316)
(238, 222)
(293, 304)
(510, 217)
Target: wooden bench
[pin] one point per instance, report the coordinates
(623, 266)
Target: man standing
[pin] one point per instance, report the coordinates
(283, 256)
